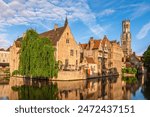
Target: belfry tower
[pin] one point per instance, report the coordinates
(126, 38)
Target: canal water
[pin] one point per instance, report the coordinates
(105, 88)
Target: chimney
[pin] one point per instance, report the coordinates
(55, 27)
(91, 38)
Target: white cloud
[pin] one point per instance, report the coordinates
(18, 12)
(106, 12)
(134, 10)
(144, 31)
(3, 42)
(139, 10)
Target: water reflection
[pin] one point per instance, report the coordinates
(106, 88)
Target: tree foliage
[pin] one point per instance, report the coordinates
(15, 72)
(37, 56)
(146, 56)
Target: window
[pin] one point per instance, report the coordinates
(67, 40)
(94, 68)
(76, 62)
(76, 53)
(66, 62)
(99, 66)
(124, 43)
(71, 52)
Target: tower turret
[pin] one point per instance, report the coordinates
(66, 22)
(126, 38)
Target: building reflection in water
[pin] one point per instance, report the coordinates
(106, 88)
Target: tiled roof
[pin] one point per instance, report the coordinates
(53, 35)
(2, 49)
(105, 40)
(90, 60)
(96, 44)
(19, 39)
(136, 57)
(18, 43)
(83, 46)
(8, 49)
(87, 46)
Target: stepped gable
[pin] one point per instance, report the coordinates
(83, 46)
(96, 44)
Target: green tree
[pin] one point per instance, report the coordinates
(124, 70)
(146, 56)
(37, 56)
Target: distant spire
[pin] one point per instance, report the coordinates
(105, 37)
(66, 21)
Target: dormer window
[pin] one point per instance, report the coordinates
(67, 40)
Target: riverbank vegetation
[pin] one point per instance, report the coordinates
(146, 57)
(129, 70)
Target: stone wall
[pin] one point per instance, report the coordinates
(116, 57)
(70, 75)
(14, 58)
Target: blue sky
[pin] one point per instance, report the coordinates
(87, 18)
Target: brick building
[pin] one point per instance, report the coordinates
(67, 49)
(107, 55)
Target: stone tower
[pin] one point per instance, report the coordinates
(126, 38)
